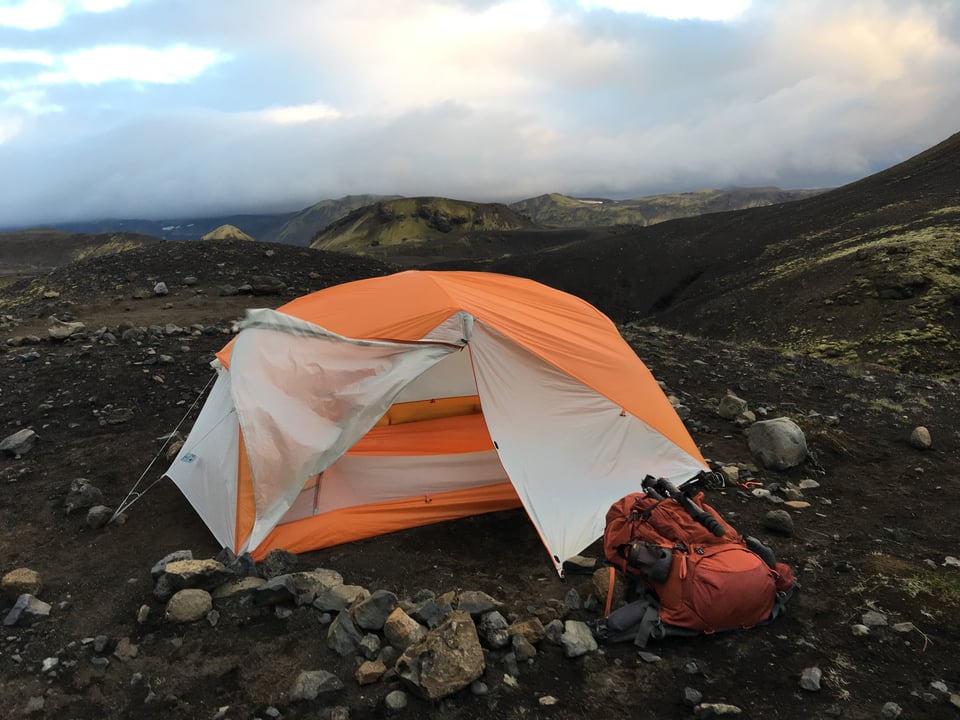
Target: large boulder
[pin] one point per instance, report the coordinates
(448, 659)
(779, 443)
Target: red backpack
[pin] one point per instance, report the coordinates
(697, 572)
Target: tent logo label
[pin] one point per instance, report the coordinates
(188, 458)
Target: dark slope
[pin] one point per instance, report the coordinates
(868, 272)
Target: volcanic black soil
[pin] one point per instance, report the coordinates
(875, 536)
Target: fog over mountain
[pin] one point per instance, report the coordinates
(136, 108)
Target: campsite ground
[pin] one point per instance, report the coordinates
(875, 537)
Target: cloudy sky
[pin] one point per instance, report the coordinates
(167, 108)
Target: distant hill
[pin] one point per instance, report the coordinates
(259, 226)
(227, 232)
(408, 226)
(865, 273)
(564, 211)
(301, 228)
(29, 252)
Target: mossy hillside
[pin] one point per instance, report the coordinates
(415, 220)
(887, 296)
(557, 210)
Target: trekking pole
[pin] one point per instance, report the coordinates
(687, 503)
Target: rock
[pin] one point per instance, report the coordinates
(601, 584)
(890, 711)
(266, 285)
(779, 521)
(342, 635)
(447, 659)
(577, 639)
(18, 444)
(692, 697)
(903, 627)
(522, 648)
(98, 516)
(796, 504)
(100, 643)
(428, 612)
(203, 574)
(311, 683)
(580, 564)
(278, 562)
(143, 614)
(161, 289)
(730, 406)
(808, 484)
(83, 495)
(872, 618)
(370, 646)
(22, 581)
(100, 663)
(920, 438)
(745, 419)
(372, 613)
(859, 630)
(273, 591)
(125, 650)
(237, 586)
(494, 629)
(572, 599)
(34, 705)
(395, 701)
(530, 628)
(553, 631)
(188, 605)
(479, 688)
(339, 597)
(26, 610)
(779, 443)
(402, 631)
(60, 330)
(810, 679)
(305, 586)
(710, 710)
(163, 589)
(477, 602)
(369, 672)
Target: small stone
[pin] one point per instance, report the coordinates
(903, 627)
(395, 700)
(648, 657)
(100, 663)
(810, 679)
(920, 438)
(476, 602)
(100, 643)
(692, 697)
(26, 610)
(311, 683)
(20, 443)
(951, 561)
(49, 664)
(779, 521)
(939, 686)
(577, 639)
(796, 504)
(572, 599)
(808, 484)
(35, 705)
(872, 618)
(98, 516)
(547, 700)
(369, 672)
(955, 700)
(479, 688)
(710, 710)
(125, 650)
(890, 711)
(859, 630)
(522, 649)
(731, 406)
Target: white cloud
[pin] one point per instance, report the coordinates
(96, 6)
(713, 10)
(32, 14)
(296, 114)
(31, 57)
(106, 63)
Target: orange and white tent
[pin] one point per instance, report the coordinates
(418, 397)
